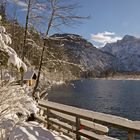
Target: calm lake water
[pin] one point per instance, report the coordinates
(116, 97)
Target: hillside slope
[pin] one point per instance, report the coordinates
(75, 49)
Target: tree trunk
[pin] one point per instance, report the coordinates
(42, 54)
(26, 29)
(25, 37)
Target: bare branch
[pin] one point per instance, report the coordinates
(60, 13)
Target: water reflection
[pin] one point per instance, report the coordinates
(121, 98)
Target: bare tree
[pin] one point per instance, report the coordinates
(32, 8)
(59, 13)
(32, 5)
(26, 28)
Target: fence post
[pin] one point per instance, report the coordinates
(48, 115)
(77, 128)
(131, 135)
(44, 114)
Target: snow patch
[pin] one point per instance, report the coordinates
(32, 131)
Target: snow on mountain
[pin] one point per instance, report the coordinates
(80, 51)
(127, 51)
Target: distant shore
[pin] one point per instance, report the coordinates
(118, 78)
(123, 76)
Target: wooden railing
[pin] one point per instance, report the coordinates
(83, 124)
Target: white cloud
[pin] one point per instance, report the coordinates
(105, 37)
(36, 8)
(108, 33)
(19, 3)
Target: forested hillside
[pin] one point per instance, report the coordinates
(58, 56)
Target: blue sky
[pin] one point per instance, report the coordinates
(111, 19)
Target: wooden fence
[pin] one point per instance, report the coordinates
(81, 124)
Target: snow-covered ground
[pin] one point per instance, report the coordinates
(33, 131)
(16, 102)
(15, 99)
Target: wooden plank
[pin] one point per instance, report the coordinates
(62, 108)
(69, 129)
(64, 131)
(62, 124)
(42, 108)
(92, 135)
(58, 124)
(41, 119)
(96, 127)
(102, 118)
(64, 116)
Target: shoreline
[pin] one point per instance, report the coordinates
(117, 78)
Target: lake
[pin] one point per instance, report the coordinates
(116, 97)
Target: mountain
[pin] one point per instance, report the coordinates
(78, 50)
(81, 57)
(127, 51)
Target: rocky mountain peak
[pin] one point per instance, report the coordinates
(127, 51)
(67, 36)
(81, 52)
(72, 40)
(129, 38)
